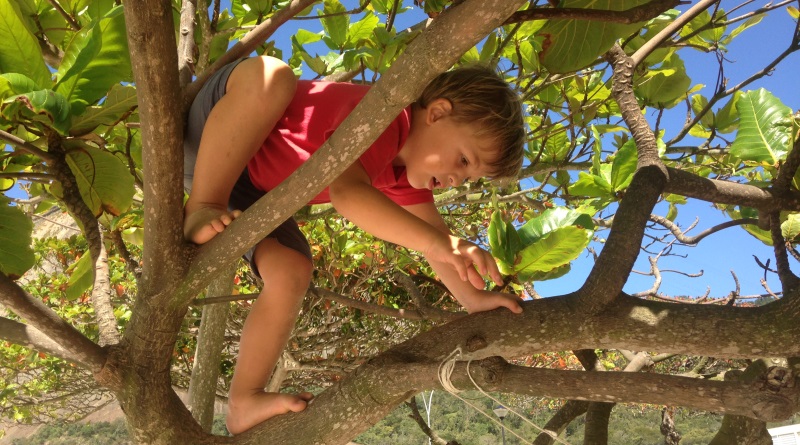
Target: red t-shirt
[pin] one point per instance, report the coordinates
(315, 112)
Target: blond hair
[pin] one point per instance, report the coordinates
(480, 96)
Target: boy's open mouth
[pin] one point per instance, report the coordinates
(434, 183)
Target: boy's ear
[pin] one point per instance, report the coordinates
(437, 109)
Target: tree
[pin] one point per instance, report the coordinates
(84, 138)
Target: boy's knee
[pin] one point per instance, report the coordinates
(265, 77)
(275, 259)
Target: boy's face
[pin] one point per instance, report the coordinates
(440, 152)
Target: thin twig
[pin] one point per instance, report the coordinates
(26, 146)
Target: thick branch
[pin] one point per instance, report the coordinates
(615, 262)
(622, 90)
(32, 338)
(44, 319)
(723, 192)
(494, 374)
(101, 287)
(154, 61)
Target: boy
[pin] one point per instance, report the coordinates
(255, 114)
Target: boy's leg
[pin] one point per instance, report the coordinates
(286, 274)
(256, 96)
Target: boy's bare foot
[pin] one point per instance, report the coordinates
(202, 224)
(245, 413)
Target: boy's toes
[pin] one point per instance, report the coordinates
(204, 224)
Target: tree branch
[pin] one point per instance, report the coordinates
(495, 374)
(151, 31)
(32, 338)
(560, 420)
(692, 240)
(186, 44)
(789, 280)
(26, 146)
(646, 49)
(724, 192)
(786, 174)
(46, 321)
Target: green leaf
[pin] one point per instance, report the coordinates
(591, 185)
(503, 238)
(536, 275)
(19, 49)
(793, 12)
(16, 253)
(791, 227)
(96, 58)
(260, 7)
(335, 26)
(45, 106)
(120, 101)
(82, 277)
(624, 166)
(758, 138)
(551, 220)
(13, 84)
(553, 250)
(727, 118)
(573, 44)
(663, 86)
(361, 30)
(103, 180)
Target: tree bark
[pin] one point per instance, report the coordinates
(210, 340)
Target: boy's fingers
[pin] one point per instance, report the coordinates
(474, 278)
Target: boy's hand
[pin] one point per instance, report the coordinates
(487, 300)
(462, 256)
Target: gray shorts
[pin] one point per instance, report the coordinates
(244, 193)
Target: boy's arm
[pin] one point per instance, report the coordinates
(420, 228)
(473, 298)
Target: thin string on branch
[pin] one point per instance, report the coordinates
(446, 368)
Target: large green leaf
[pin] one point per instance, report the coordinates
(663, 86)
(551, 220)
(759, 139)
(103, 180)
(573, 44)
(120, 101)
(16, 254)
(591, 185)
(335, 24)
(19, 49)
(361, 30)
(503, 239)
(553, 250)
(624, 166)
(96, 58)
